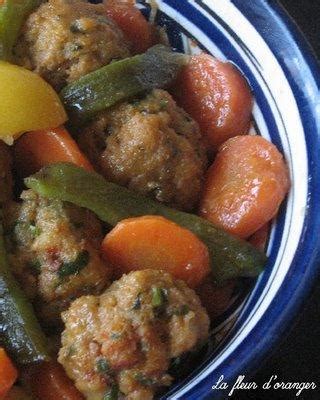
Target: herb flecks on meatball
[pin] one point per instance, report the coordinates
(151, 146)
(125, 339)
(54, 250)
(66, 39)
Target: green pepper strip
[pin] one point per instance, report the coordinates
(12, 16)
(20, 332)
(120, 80)
(230, 257)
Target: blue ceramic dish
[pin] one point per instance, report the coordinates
(260, 39)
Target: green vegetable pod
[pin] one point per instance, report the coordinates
(230, 257)
(12, 16)
(20, 333)
(120, 80)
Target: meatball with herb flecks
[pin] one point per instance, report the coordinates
(66, 39)
(125, 339)
(54, 250)
(151, 146)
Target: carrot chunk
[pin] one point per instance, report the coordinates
(153, 242)
(36, 149)
(245, 185)
(260, 237)
(217, 96)
(8, 373)
(135, 27)
(49, 381)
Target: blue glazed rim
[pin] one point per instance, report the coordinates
(306, 263)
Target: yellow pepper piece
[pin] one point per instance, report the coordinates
(27, 103)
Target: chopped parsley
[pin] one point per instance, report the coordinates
(115, 335)
(144, 380)
(112, 394)
(34, 230)
(35, 265)
(163, 104)
(180, 311)
(102, 366)
(137, 303)
(159, 296)
(74, 267)
(76, 27)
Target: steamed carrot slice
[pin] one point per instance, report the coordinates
(153, 242)
(217, 96)
(135, 27)
(245, 185)
(36, 149)
(49, 381)
(8, 373)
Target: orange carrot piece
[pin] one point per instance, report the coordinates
(135, 27)
(245, 185)
(217, 96)
(216, 299)
(153, 242)
(34, 150)
(8, 373)
(260, 237)
(49, 381)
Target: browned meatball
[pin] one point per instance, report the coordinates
(66, 39)
(127, 337)
(54, 250)
(151, 146)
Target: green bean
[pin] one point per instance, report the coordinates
(12, 16)
(230, 257)
(120, 80)
(20, 333)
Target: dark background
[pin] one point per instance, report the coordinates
(297, 357)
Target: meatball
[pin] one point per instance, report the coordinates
(5, 174)
(151, 146)
(126, 338)
(54, 250)
(66, 39)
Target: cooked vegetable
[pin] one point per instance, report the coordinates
(245, 185)
(260, 237)
(34, 150)
(8, 373)
(49, 381)
(230, 256)
(12, 16)
(132, 23)
(217, 96)
(153, 242)
(28, 103)
(20, 332)
(120, 80)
